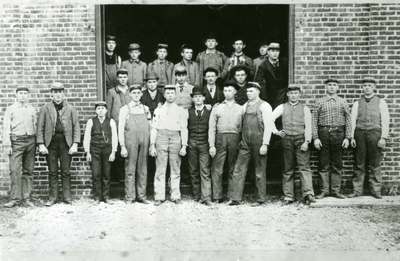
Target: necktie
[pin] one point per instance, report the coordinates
(212, 91)
(181, 88)
(198, 113)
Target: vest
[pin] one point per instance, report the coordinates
(293, 119)
(198, 127)
(101, 133)
(369, 115)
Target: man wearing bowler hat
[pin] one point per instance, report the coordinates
(112, 62)
(135, 67)
(161, 66)
(331, 134)
(198, 155)
(19, 142)
(296, 137)
(58, 136)
(272, 75)
(256, 133)
(370, 131)
(224, 130)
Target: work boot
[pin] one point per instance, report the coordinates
(338, 195)
(50, 203)
(377, 195)
(233, 203)
(143, 201)
(12, 203)
(322, 195)
(309, 199)
(353, 195)
(28, 203)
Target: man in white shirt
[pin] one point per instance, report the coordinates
(100, 143)
(168, 141)
(369, 133)
(256, 133)
(296, 135)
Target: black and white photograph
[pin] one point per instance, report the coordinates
(199, 130)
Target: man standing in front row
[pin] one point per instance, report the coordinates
(19, 141)
(225, 126)
(198, 156)
(331, 134)
(58, 136)
(296, 137)
(134, 136)
(168, 141)
(370, 130)
(256, 133)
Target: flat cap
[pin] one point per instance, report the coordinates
(122, 71)
(100, 103)
(274, 46)
(135, 87)
(19, 89)
(197, 91)
(231, 83)
(133, 46)
(253, 85)
(293, 88)
(57, 86)
(162, 46)
(210, 35)
(331, 80)
(170, 87)
(210, 69)
(368, 79)
(150, 75)
(180, 70)
(111, 38)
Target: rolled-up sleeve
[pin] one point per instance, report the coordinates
(212, 126)
(183, 126)
(266, 111)
(275, 115)
(87, 135)
(114, 135)
(385, 119)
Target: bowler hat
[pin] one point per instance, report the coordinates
(197, 91)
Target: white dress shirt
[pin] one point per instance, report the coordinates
(88, 135)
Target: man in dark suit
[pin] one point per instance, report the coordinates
(241, 75)
(58, 135)
(152, 97)
(273, 76)
(212, 91)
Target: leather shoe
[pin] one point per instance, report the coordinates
(377, 195)
(50, 203)
(353, 195)
(143, 201)
(233, 203)
(338, 195)
(309, 199)
(322, 195)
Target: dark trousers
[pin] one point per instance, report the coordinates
(330, 159)
(226, 145)
(58, 151)
(22, 161)
(293, 156)
(367, 158)
(101, 172)
(199, 168)
(249, 149)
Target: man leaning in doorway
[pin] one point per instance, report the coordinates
(112, 62)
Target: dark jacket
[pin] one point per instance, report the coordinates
(218, 96)
(274, 82)
(47, 124)
(149, 102)
(115, 100)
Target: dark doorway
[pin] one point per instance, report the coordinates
(149, 25)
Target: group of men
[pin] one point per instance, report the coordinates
(186, 112)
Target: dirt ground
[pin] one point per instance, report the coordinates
(86, 226)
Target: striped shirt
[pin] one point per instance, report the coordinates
(331, 111)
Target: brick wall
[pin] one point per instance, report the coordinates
(40, 44)
(349, 41)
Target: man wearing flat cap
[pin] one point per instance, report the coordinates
(192, 68)
(58, 136)
(224, 130)
(100, 143)
(331, 134)
(370, 131)
(136, 68)
(112, 62)
(256, 133)
(19, 142)
(198, 156)
(211, 57)
(273, 76)
(161, 66)
(237, 58)
(134, 138)
(183, 88)
(152, 96)
(296, 136)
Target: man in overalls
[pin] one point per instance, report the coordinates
(134, 136)
(112, 62)
(256, 133)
